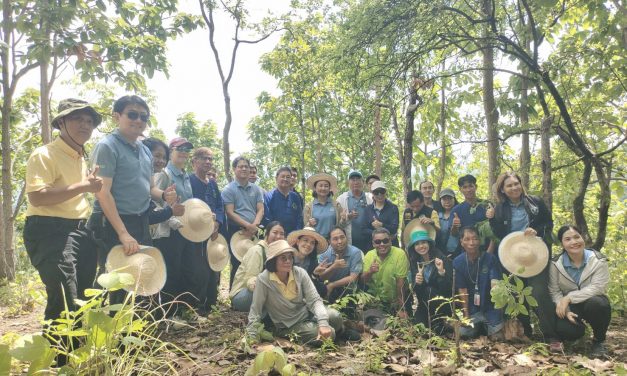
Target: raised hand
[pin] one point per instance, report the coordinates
(94, 182)
(178, 209)
(456, 221)
(489, 213)
(439, 264)
(312, 222)
(170, 195)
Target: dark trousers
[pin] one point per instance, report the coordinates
(432, 313)
(545, 309)
(213, 281)
(596, 311)
(232, 229)
(60, 250)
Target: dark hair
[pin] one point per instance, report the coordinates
(563, 229)
(466, 229)
(271, 265)
(424, 182)
(251, 167)
(283, 169)
(337, 228)
(466, 179)
(294, 170)
(128, 100)
(152, 143)
(270, 226)
(380, 230)
(238, 159)
(500, 184)
(415, 195)
(414, 256)
(373, 176)
(313, 256)
(455, 202)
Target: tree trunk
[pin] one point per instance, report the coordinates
(443, 149)
(226, 149)
(408, 139)
(545, 151)
(525, 154)
(378, 155)
(44, 102)
(489, 105)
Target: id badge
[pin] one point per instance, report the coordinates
(477, 299)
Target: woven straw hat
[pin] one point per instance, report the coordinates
(524, 256)
(217, 253)
(197, 221)
(313, 179)
(240, 244)
(146, 266)
(278, 248)
(321, 242)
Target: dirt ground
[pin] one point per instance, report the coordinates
(214, 347)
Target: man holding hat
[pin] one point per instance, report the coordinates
(354, 203)
(57, 183)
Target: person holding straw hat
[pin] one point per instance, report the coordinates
(288, 296)
(323, 213)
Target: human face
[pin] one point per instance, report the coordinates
(573, 242)
(242, 170)
(470, 242)
(284, 262)
(203, 163)
(379, 195)
(322, 188)
(158, 158)
(447, 202)
(356, 184)
(306, 244)
(422, 248)
(252, 176)
(294, 176)
(369, 182)
(338, 240)
(469, 190)
(382, 244)
(284, 181)
(179, 157)
(129, 128)
(276, 233)
(78, 126)
(416, 205)
(212, 175)
(512, 188)
(427, 189)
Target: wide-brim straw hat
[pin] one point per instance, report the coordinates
(217, 253)
(278, 248)
(524, 256)
(240, 244)
(313, 179)
(415, 225)
(321, 242)
(197, 221)
(146, 266)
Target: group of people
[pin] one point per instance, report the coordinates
(310, 253)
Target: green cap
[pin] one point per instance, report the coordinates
(70, 105)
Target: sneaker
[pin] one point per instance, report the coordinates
(598, 349)
(350, 335)
(556, 347)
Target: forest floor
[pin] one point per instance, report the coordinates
(214, 347)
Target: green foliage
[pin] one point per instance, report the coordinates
(22, 294)
(272, 359)
(510, 293)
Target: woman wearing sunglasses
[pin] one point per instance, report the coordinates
(431, 276)
(381, 213)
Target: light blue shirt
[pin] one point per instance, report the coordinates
(244, 199)
(359, 204)
(520, 219)
(129, 165)
(174, 175)
(325, 216)
(354, 262)
(574, 272)
(445, 233)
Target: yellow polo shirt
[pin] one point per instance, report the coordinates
(57, 165)
(289, 291)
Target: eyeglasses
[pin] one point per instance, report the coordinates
(381, 241)
(286, 258)
(378, 192)
(184, 149)
(133, 115)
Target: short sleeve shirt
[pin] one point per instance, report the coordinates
(325, 216)
(359, 205)
(244, 199)
(57, 165)
(174, 175)
(383, 283)
(354, 262)
(479, 274)
(129, 165)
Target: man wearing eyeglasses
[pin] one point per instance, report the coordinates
(121, 209)
(385, 272)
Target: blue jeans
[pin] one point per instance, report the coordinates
(491, 321)
(242, 300)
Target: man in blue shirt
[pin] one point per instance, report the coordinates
(471, 211)
(354, 203)
(475, 274)
(283, 204)
(340, 265)
(243, 205)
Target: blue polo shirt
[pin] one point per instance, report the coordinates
(244, 199)
(174, 175)
(288, 210)
(209, 193)
(573, 271)
(325, 216)
(482, 271)
(469, 216)
(354, 262)
(129, 165)
(358, 224)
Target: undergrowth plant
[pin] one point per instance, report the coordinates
(510, 293)
(21, 295)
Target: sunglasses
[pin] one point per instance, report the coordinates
(381, 241)
(133, 115)
(184, 149)
(378, 192)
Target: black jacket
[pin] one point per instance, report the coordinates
(389, 218)
(540, 218)
(436, 284)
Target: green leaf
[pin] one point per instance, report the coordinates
(109, 280)
(30, 347)
(5, 360)
(532, 301)
(93, 292)
(288, 370)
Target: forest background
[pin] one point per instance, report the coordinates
(407, 89)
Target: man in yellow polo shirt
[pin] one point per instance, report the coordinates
(57, 181)
(385, 272)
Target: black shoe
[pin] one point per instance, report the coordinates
(350, 335)
(598, 350)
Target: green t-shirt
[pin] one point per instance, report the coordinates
(383, 283)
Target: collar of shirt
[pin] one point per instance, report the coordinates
(175, 170)
(316, 202)
(61, 144)
(568, 263)
(245, 186)
(363, 195)
(289, 290)
(116, 133)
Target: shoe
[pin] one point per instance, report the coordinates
(598, 350)
(556, 347)
(350, 335)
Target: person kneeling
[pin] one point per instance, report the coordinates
(287, 294)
